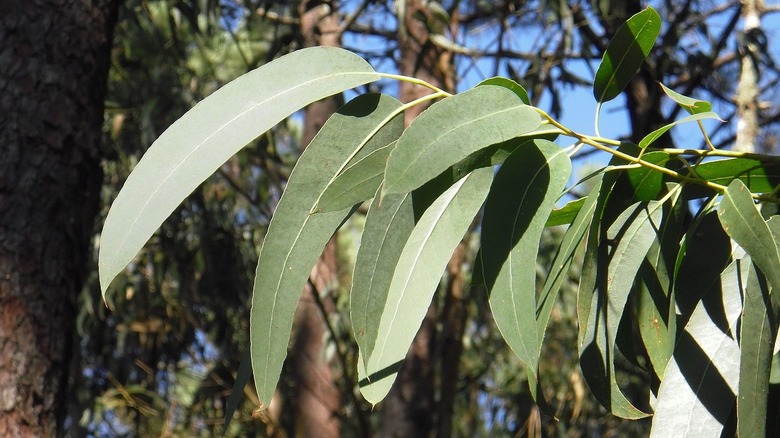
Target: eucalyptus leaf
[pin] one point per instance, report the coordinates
(388, 225)
(566, 214)
(693, 106)
(626, 52)
(758, 176)
(295, 238)
(416, 277)
(523, 194)
(451, 130)
(194, 146)
(699, 386)
(655, 135)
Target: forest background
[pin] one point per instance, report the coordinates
(162, 359)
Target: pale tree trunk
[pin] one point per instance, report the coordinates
(53, 70)
(747, 89)
(409, 410)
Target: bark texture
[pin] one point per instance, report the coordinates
(53, 69)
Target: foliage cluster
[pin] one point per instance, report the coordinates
(693, 292)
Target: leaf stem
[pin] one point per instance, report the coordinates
(415, 81)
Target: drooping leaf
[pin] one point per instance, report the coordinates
(693, 106)
(207, 135)
(631, 234)
(625, 53)
(416, 277)
(243, 375)
(757, 176)
(566, 214)
(523, 194)
(295, 238)
(758, 330)
(697, 393)
(655, 135)
(357, 182)
(559, 269)
(388, 225)
(451, 130)
(742, 221)
(655, 312)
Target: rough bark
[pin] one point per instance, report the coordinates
(747, 90)
(53, 69)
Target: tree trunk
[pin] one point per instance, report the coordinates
(53, 70)
(747, 90)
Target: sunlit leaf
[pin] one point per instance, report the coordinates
(647, 183)
(757, 334)
(358, 182)
(295, 238)
(759, 177)
(742, 221)
(566, 214)
(693, 106)
(501, 81)
(697, 393)
(655, 135)
(625, 53)
(451, 130)
(523, 194)
(417, 276)
(388, 225)
(199, 142)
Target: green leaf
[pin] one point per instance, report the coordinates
(207, 135)
(357, 182)
(693, 106)
(295, 238)
(632, 234)
(417, 276)
(243, 375)
(757, 337)
(759, 177)
(452, 129)
(647, 183)
(742, 221)
(655, 135)
(523, 194)
(697, 393)
(566, 214)
(516, 88)
(388, 225)
(570, 243)
(625, 53)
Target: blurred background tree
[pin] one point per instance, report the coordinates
(164, 357)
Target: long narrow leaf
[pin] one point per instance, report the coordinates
(388, 225)
(523, 194)
(742, 221)
(296, 238)
(655, 135)
(416, 277)
(451, 130)
(625, 54)
(698, 390)
(207, 135)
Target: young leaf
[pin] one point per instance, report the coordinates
(742, 221)
(452, 129)
(655, 135)
(697, 393)
(388, 225)
(199, 142)
(625, 53)
(416, 277)
(758, 330)
(357, 182)
(693, 106)
(523, 194)
(295, 238)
